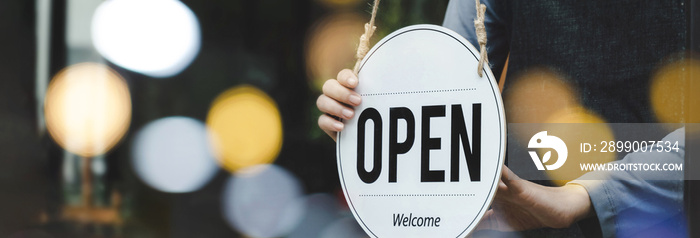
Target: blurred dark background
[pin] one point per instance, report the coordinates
(284, 48)
(265, 44)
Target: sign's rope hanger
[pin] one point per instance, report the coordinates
(481, 35)
(363, 48)
(479, 26)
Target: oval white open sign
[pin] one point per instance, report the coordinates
(423, 155)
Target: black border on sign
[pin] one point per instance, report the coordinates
(500, 157)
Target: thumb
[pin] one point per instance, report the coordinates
(507, 175)
(511, 180)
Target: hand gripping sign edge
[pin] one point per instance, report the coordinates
(499, 114)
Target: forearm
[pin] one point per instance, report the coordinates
(578, 202)
(561, 207)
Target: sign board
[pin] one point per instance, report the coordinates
(423, 155)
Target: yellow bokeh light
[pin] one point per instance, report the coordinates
(534, 96)
(674, 92)
(340, 3)
(330, 46)
(543, 96)
(574, 114)
(596, 131)
(88, 109)
(246, 126)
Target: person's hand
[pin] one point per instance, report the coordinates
(523, 205)
(337, 101)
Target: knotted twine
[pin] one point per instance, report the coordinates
(363, 47)
(479, 26)
(481, 35)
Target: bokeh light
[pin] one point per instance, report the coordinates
(87, 108)
(263, 201)
(535, 96)
(158, 38)
(340, 4)
(173, 154)
(246, 126)
(345, 227)
(674, 95)
(596, 131)
(321, 210)
(331, 45)
(544, 96)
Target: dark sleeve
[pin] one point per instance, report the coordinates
(460, 18)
